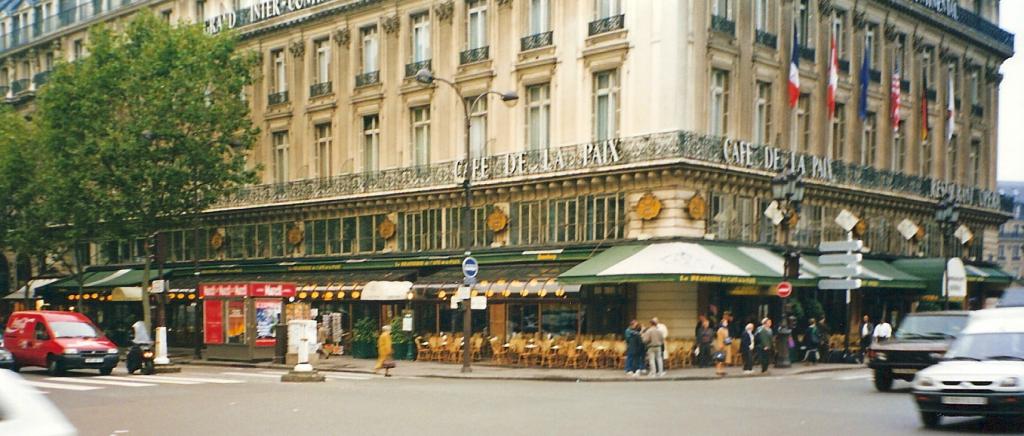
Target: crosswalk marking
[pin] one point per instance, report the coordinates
(46, 385)
(198, 379)
(250, 374)
(349, 376)
(154, 379)
(92, 380)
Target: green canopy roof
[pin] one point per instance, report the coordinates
(108, 279)
(876, 274)
(931, 270)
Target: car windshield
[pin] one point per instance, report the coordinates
(988, 346)
(72, 330)
(931, 327)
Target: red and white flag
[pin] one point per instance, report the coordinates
(950, 108)
(794, 72)
(833, 79)
(895, 96)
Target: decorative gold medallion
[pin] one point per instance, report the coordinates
(497, 220)
(648, 207)
(697, 207)
(860, 228)
(216, 240)
(295, 234)
(386, 229)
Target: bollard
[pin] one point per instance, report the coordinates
(162, 363)
(303, 363)
(303, 371)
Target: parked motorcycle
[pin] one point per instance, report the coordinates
(140, 357)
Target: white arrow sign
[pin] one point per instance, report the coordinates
(841, 246)
(838, 272)
(836, 284)
(840, 259)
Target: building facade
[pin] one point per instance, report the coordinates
(655, 125)
(1011, 234)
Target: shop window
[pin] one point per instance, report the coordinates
(734, 218)
(235, 321)
(523, 318)
(559, 319)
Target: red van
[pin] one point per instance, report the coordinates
(58, 341)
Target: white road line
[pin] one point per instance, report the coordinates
(163, 379)
(813, 377)
(203, 380)
(60, 386)
(274, 372)
(349, 377)
(92, 380)
(252, 374)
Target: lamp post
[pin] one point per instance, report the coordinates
(788, 193)
(947, 214)
(426, 77)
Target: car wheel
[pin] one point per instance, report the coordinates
(883, 380)
(930, 419)
(54, 367)
(15, 367)
(106, 371)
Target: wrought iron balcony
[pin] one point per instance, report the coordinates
(807, 53)
(277, 98)
(366, 79)
(723, 25)
(41, 77)
(605, 25)
(875, 75)
(766, 39)
(844, 65)
(904, 85)
(19, 86)
(412, 68)
(535, 41)
(930, 94)
(474, 55)
(976, 22)
(977, 110)
(318, 89)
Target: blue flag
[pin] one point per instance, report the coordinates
(865, 68)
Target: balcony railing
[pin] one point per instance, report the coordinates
(536, 41)
(277, 98)
(36, 30)
(766, 39)
(976, 22)
(977, 110)
(41, 77)
(365, 79)
(605, 25)
(412, 68)
(654, 149)
(807, 53)
(844, 65)
(723, 25)
(318, 89)
(474, 55)
(19, 86)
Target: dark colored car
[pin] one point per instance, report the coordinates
(921, 340)
(6, 358)
(1012, 297)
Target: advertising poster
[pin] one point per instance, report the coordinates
(236, 322)
(213, 321)
(267, 314)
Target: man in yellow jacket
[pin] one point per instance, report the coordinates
(383, 347)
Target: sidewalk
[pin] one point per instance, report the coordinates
(484, 370)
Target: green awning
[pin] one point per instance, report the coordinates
(931, 269)
(105, 279)
(875, 274)
(704, 262)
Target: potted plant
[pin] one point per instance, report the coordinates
(401, 341)
(364, 339)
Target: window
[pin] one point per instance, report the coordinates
(562, 220)
(78, 50)
(972, 87)
(928, 66)
(719, 102)
(733, 217)
(604, 217)
(763, 113)
(420, 37)
(280, 83)
(974, 160)
(322, 237)
(367, 239)
(280, 142)
(323, 60)
(200, 10)
(480, 234)
(839, 133)
(538, 116)
(803, 24)
(869, 141)
(322, 151)
(540, 11)
(477, 126)
(605, 105)
(720, 8)
(369, 38)
(371, 143)
(1002, 251)
(952, 155)
(926, 158)
(526, 223)
(607, 8)
(839, 32)
(476, 24)
(420, 135)
(761, 10)
(899, 148)
(419, 231)
(803, 123)
(899, 53)
(1016, 252)
(166, 15)
(871, 46)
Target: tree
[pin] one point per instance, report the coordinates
(153, 127)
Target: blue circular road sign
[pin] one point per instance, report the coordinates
(470, 267)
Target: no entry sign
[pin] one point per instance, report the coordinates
(784, 289)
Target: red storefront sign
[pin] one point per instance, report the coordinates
(213, 321)
(237, 290)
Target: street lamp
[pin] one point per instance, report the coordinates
(788, 193)
(947, 214)
(426, 77)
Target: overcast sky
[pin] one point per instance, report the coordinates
(1011, 97)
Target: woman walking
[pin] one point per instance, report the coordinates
(722, 340)
(384, 350)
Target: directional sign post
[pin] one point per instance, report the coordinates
(842, 267)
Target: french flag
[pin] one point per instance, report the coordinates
(833, 79)
(794, 72)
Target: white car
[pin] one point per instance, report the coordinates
(26, 412)
(982, 374)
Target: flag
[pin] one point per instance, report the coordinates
(833, 78)
(794, 72)
(950, 109)
(894, 96)
(924, 104)
(865, 69)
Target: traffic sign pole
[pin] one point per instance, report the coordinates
(470, 268)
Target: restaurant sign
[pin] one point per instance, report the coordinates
(774, 159)
(588, 155)
(237, 290)
(948, 8)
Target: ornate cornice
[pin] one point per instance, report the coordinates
(391, 24)
(445, 10)
(825, 9)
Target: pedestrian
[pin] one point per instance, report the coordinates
(383, 348)
(705, 336)
(867, 331)
(883, 331)
(824, 348)
(722, 340)
(812, 340)
(747, 348)
(634, 349)
(664, 335)
(654, 340)
(764, 339)
(700, 324)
